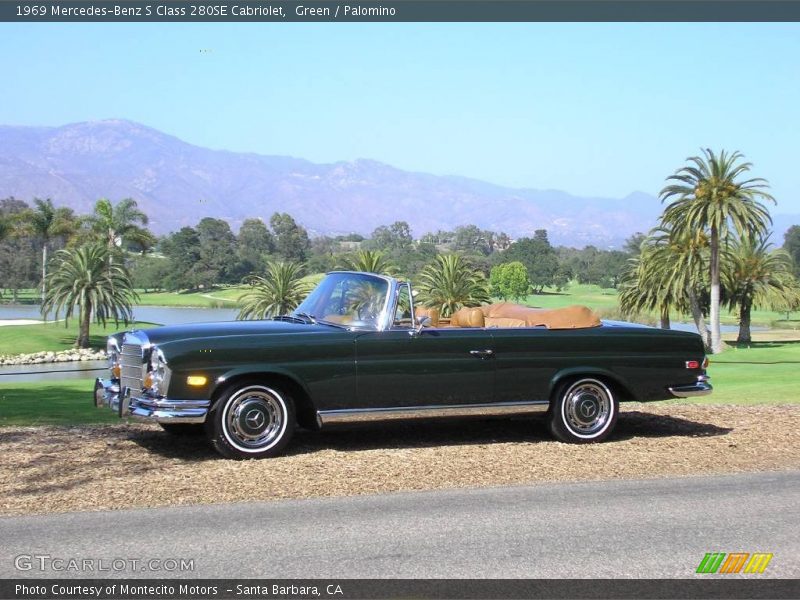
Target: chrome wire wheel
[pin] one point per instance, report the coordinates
(583, 411)
(587, 408)
(254, 419)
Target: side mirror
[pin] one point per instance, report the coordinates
(421, 322)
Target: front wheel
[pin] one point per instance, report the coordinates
(251, 420)
(583, 411)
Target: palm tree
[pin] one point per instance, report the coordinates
(682, 258)
(277, 293)
(450, 284)
(646, 286)
(121, 222)
(368, 261)
(757, 277)
(708, 195)
(46, 222)
(82, 279)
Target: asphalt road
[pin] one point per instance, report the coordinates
(646, 528)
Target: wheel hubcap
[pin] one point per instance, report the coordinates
(587, 407)
(254, 418)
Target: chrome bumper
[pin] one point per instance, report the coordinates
(701, 388)
(160, 410)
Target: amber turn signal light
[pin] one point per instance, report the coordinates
(197, 380)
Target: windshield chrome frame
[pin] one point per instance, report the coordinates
(384, 318)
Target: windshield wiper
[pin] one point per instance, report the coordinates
(290, 318)
(303, 315)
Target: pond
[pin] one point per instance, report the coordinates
(163, 315)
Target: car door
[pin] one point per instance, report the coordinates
(435, 367)
(403, 368)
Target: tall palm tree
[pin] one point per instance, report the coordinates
(123, 222)
(277, 293)
(450, 284)
(368, 261)
(82, 279)
(46, 222)
(710, 195)
(758, 277)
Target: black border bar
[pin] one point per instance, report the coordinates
(400, 11)
(434, 589)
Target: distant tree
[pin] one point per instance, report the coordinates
(149, 273)
(396, 236)
(539, 259)
(278, 292)
(709, 195)
(502, 241)
(216, 263)
(84, 279)
(45, 222)
(254, 244)
(368, 261)
(182, 250)
(791, 243)
(123, 225)
(322, 254)
(470, 239)
(757, 277)
(17, 251)
(449, 283)
(510, 281)
(633, 244)
(291, 240)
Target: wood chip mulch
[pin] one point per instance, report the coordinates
(57, 469)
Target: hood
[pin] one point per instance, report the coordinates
(172, 333)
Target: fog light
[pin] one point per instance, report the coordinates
(197, 380)
(116, 371)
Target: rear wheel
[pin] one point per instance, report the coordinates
(251, 420)
(583, 411)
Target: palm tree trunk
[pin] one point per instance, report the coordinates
(699, 319)
(83, 326)
(665, 321)
(44, 276)
(716, 335)
(744, 323)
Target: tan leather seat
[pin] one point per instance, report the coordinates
(506, 314)
(468, 317)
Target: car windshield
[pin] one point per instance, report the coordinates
(349, 299)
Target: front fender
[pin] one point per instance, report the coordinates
(257, 372)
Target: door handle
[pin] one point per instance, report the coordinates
(482, 354)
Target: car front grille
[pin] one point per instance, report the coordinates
(131, 366)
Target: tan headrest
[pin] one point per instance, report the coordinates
(467, 317)
(431, 312)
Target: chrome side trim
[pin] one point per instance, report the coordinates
(361, 415)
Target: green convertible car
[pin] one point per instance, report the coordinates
(358, 349)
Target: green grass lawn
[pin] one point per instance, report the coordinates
(25, 339)
(766, 373)
(605, 299)
(54, 403)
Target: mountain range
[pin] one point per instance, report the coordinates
(177, 183)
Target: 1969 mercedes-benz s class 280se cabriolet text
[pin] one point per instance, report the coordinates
(358, 349)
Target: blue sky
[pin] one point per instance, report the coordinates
(593, 109)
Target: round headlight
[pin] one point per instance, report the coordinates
(157, 371)
(112, 351)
